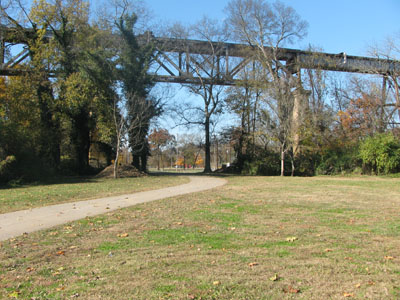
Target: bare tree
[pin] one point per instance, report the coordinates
(267, 28)
(391, 81)
(136, 125)
(244, 100)
(207, 70)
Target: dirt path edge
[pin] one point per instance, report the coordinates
(26, 221)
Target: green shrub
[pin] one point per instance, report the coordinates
(337, 160)
(7, 169)
(381, 153)
(266, 164)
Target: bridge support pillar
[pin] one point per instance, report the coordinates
(300, 100)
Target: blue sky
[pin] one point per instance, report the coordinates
(336, 25)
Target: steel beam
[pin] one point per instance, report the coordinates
(176, 59)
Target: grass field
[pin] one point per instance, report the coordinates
(77, 188)
(255, 238)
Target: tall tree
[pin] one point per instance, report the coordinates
(207, 69)
(244, 100)
(133, 65)
(260, 24)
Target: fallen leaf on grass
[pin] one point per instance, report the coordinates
(14, 294)
(371, 282)
(216, 283)
(122, 235)
(348, 295)
(274, 278)
(291, 239)
(291, 290)
(61, 252)
(358, 285)
(328, 250)
(389, 257)
(253, 264)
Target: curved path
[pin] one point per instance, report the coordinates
(26, 221)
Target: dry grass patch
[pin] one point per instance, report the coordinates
(256, 238)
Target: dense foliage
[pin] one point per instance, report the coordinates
(62, 114)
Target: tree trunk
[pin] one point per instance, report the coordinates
(207, 166)
(136, 161)
(282, 163)
(143, 160)
(293, 166)
(158, 160)
(82, 141)
(116, 163)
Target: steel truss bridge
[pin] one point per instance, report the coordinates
(195, 61)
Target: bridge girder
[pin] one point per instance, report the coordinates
(188, 61)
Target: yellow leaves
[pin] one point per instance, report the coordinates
(348, 295)
(78, 91)
(389, 258)
(291, 239)
(217, 283)
(274, 278)
(123, 235)
(14, 294)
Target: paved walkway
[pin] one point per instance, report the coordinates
(26, 221)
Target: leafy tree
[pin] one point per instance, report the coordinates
(133, 64)
(158, 139)
(381, 153)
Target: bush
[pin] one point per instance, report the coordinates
(267, 163)
(337, 160)
(7, 169)
(381, 154)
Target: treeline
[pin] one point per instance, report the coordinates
(87, 86)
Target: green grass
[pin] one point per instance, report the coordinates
(255, 238)
(75, 189)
